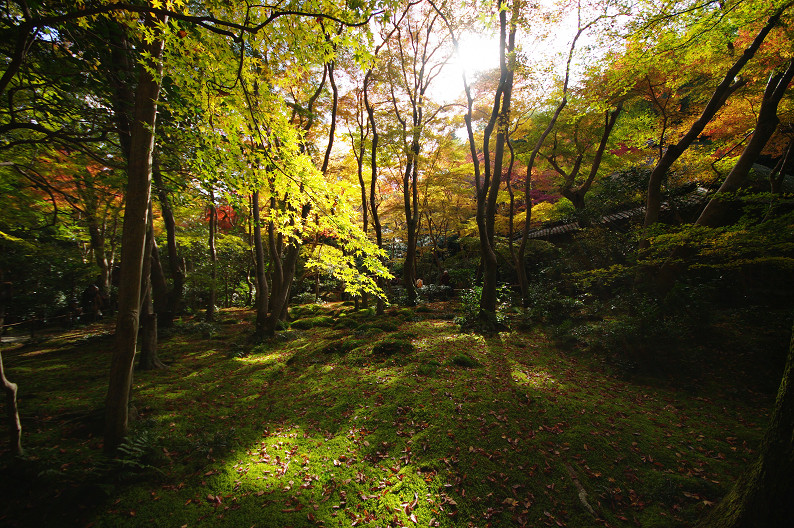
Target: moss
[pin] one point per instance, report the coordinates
(465, 361)
(311, 322)
(392, 346)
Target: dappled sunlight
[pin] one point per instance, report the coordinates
(535, 378)
(463, 429)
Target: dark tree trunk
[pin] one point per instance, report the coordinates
(373, 183)
(148, 357)
(10, 389)
(411, 206)
(213, 255)
(717, 209)
(176, 265)
(487, 192)
(139, 170)
(728, 85)
(762, 496)
(160, 292)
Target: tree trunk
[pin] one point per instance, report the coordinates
(717, 209)
(373, 183)
(729, 84)
(488, 191)
(175, 264)
(762, 496)
(213, 255)
(12, 412)
(139, 170)
(160, 293)
(148, 357)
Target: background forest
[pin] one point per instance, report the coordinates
(604, 180)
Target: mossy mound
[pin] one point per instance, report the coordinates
(392, 346)
(312, 322)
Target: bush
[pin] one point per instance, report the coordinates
(304, 298)
(550, 305)
(392, 346)
(311, 322)
(470, 307)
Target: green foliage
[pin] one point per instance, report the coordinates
(547, 304)
(470, 306)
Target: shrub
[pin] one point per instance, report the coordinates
(304, 298)
(470, 306)
(311, 322)
(392, 346)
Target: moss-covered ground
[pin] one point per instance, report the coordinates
(314, 429)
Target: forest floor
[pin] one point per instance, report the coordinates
(339, 422)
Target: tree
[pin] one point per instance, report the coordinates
(12, 411)
(761, 496)
(728, 85)
(413, 67)
(715, 212)
(139, 171)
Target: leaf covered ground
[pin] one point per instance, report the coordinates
(349, 419)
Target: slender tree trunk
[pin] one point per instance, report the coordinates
(160, 293)
(213, 255)
(761, 497)
(148, 357)
(262, 292)
(373, 183)
(487, 193)
(139, 170)
(10, 389)
(176, 265)
(410, 206)
(717, 209)
(12, 411)
(728, 85)
(98, 248)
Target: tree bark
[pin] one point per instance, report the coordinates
(12, 411)
(139, 170)
(762, 496)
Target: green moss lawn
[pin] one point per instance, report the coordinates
(348, 419)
